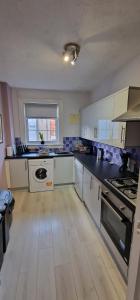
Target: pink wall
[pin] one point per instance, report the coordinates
(8, 132)
(8, 114)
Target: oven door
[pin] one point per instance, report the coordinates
(118, 227)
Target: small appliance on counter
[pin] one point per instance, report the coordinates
(88, 149)
(83, 147)
(109, 157)
(94, 150)
(124, 157)
(9, 151)
(100, 154)
(21, 149)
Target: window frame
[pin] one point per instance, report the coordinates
(25, 98)
(56, 142)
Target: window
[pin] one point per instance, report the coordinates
(44, 119)
(46, 126)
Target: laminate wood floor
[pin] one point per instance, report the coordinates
(56, 253)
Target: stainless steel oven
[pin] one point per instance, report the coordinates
(116, 223)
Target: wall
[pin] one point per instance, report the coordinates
(7, 114)
(2, 151)
(7, 122)
(128, 75)
(71, 104)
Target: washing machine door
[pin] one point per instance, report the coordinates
(40, 174)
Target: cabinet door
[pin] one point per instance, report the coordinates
(95, 200)
(79, 178)
(18, 173)
(63, 170)
(87, 122)
(87, 179)
(91, 195)
(119, 128)
(104, 123)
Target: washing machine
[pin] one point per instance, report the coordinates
(41, 175)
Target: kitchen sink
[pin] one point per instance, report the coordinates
(62, 152)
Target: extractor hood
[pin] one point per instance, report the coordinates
(133, 114)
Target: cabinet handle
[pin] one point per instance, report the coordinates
(26, 166)
(122, 134)
(95, 132)
(54, 164)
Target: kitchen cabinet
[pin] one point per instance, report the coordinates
(87, 123)
(18, 173)
(63, 170)
(87, 188)
(91, 195)
(119, 128)
(97, 120)
(125, 134)
(104, 120)
(78, 167)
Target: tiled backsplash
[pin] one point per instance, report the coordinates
(69, 142)
(116, 159)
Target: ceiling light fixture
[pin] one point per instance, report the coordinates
(71, 53)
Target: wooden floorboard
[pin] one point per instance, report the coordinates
(56, 253)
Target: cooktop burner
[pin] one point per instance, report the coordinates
(122, 182)
(126, 186)
(129, 192)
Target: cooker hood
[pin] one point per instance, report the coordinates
(133, 114)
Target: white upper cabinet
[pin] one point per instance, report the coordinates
(87, 123)
(104, 122)
(119, 128)
(97, 125)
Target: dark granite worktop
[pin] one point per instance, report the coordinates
(103, 170)
(36, 155)
(100, 169)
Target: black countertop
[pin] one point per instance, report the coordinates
(103, 170)
(100, 169)
(35, 155)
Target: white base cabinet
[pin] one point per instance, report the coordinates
(18, 173)
(63, 170)
(78, 178)
(91, 195)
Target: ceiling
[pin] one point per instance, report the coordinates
(33, 33)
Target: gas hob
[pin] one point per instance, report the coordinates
(125, 186)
